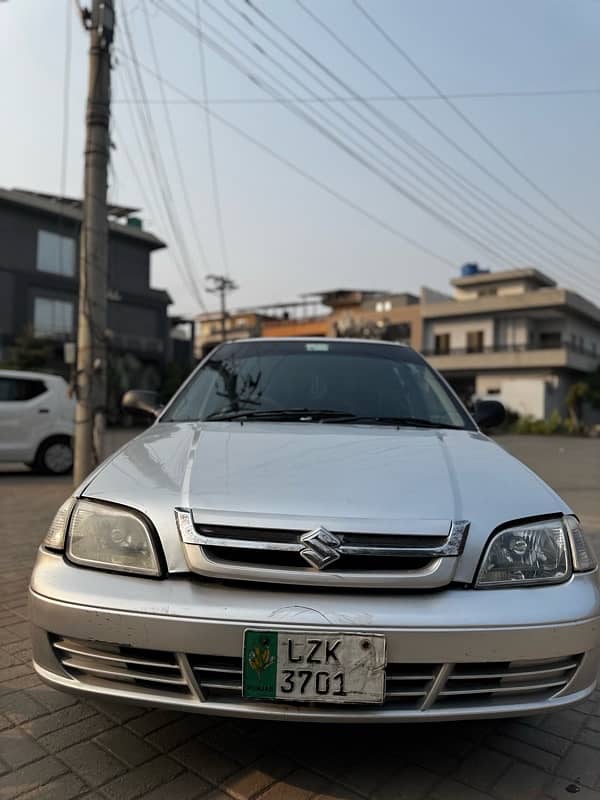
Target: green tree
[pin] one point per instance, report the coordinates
(577, 394)
(593, 381)
(29, 353)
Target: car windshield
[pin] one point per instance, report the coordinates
(308, 381)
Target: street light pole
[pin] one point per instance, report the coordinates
(220, 285)
(93, 265)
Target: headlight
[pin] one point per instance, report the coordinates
(109, 537)
(527, 554)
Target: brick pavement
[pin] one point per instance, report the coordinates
(53, 745)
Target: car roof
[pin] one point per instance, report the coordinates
(36, 376)
(337, 339)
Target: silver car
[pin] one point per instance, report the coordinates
(317, 529)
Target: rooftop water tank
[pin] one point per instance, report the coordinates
(469, 269)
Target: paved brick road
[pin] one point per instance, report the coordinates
(54, 746)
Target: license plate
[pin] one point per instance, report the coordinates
(312, 667)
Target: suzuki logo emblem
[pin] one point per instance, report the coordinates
(321, 547)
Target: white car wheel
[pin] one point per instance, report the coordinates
(56, 457)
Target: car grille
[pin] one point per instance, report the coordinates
(282, 555)
(103, 664)
(218, 679)
(506, 681)
(422, 686)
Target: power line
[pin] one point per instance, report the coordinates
(64, 153)
(297, 169)
(265, 54)
(149, 131)
(211, 151)
(182, 181)
(426, 152)
(430, 154)
(406, 168)
(484, 137)
(151, 180)
(383, 174)
(548, 255)
(143, 158)
(384, 98)
(466, 201)
(130, 161)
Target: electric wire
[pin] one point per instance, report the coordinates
(451, 187)
(385, 98)
(155, 203)
(64, 152)
(171, 132)
(296, 168)
(484, 196)
(186, 23)
(149, 131)
(493, 205)
(483, 136)
(435, 127)
(549, 256)
(384, 175)
(211, 152)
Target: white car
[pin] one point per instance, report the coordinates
(36, 421)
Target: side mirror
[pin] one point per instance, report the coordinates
(489, 413)
(142, 400)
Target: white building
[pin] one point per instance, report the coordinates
(514, 336)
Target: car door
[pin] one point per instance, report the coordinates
(23, 417)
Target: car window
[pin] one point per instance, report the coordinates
(20, 389)
(351, 378)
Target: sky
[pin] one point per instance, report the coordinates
(283, 234)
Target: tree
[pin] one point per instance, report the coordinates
(577, 394)
(29, 353)
(593, 381)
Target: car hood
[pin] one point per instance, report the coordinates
(351, 477)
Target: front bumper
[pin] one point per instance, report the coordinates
(452, 654)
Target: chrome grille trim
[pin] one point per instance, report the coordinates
(115, 672)
(193, 679)
(152, 671)
(222, 551)
(80, 650)
(421, 687)
(203, 536)
(517, 673)
(507, 679)
(512, 689)
(216, 676)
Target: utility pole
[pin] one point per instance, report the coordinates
(221, 285)
(90, 382)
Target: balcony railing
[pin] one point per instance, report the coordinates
(513, 348)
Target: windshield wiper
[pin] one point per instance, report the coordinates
(399, 422)
(293, 414)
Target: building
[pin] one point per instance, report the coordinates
(389, 316)
(275, 319)
(39, 271)
(239, 324)
(335, 312)
(512, 335)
